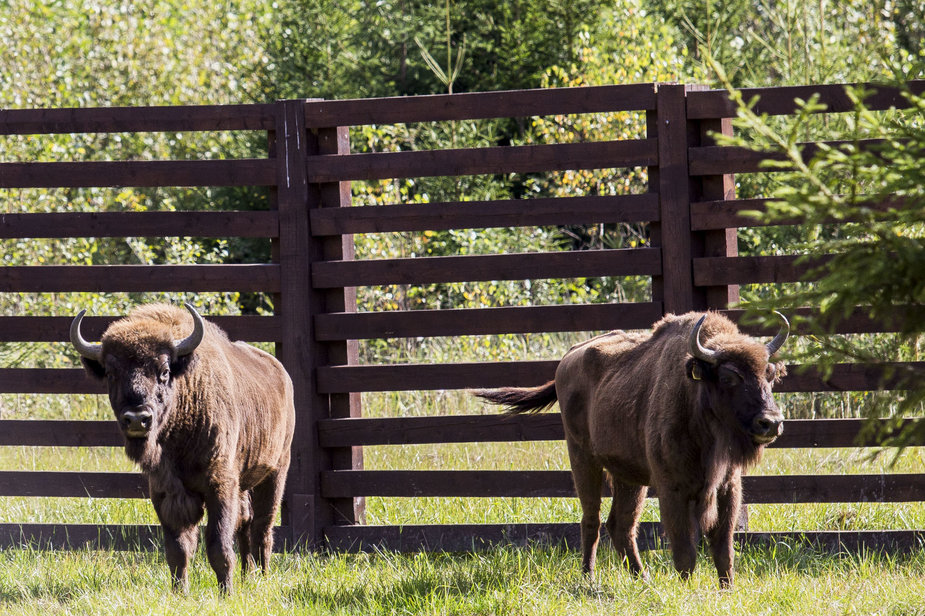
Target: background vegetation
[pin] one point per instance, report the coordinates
(69, 53)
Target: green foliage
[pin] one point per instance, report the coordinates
(797, 41)
(873, 190)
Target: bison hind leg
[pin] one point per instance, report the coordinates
(623, 521)
(267, 496)
(588, 475)
(245, 522)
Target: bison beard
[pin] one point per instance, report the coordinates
(684, 408)
(209, 422)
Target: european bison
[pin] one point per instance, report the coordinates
(683, 408)
(208, 421)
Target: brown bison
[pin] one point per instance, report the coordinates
(208, 421)
(683, 408)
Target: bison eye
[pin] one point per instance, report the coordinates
(165, 374)
(729, 378)
(771, 372)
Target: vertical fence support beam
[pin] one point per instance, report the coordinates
(723, 242)
(337, 248)
(292, 251)
(668, 123)
(308, 512)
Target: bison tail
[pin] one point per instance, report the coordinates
(521, 399)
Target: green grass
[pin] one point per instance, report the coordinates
(778, 579)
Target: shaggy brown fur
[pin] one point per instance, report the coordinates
(223, 419)
(640, 407)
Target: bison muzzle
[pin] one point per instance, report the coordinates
(210, 423)
(685, 408)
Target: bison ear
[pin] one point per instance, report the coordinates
(698, 370)
(181, 364)
(93, 368)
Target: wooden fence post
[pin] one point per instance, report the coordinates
(292, 306)
(722, 242)
(668, 123)
(308, 512)
(326, 141)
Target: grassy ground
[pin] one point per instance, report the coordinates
(780, 579)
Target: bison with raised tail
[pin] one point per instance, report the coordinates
(684, 409)
(208, 421)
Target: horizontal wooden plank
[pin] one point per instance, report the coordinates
(480, 105)
(853, 377)
(485, 214)
(537, 265)
(57, 329)
(138, 278)
(123, 537)
(363, 431)
(73, 484)
(368, 431)
(719, 159)
(141, 224)
(407, 377)
(474, 161)
(357, 431)
(137, 119)
(48, 381)
(59, 433)
(710, 215)
(242, 172)
(718, 271)
(885, 488)
(470, 537)
(476, 537)
(484, 321)
(711, 104)
(858, 322)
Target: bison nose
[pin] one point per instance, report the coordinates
(137, 423)
(767, 426)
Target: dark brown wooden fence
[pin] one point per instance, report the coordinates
(690, 207)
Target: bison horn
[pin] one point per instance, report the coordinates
(697, 350)
(781, 337)
(86, 349)
(189, 344)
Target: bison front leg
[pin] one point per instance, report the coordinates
(681, 528)
(220, 532)
(179, 516)
(729, 501)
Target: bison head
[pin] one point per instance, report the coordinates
(737, 382)
(140, 361)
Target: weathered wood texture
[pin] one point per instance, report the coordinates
(473, 161)
(519, 103)
(136, 119)
(55, 329)
(799, 433)
(140, 224)
(485, 214)
(690, 207)
(138, 173)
